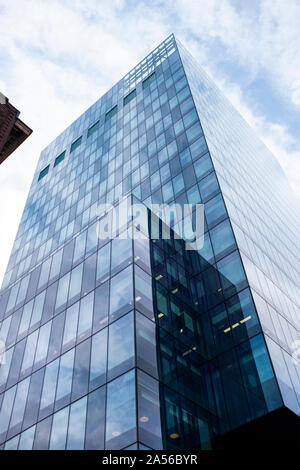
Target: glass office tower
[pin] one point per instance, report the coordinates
(138, 343)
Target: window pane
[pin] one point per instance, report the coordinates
(80, 243)
(198, 148)
(76, 429)
(121, 412)
(42, 346)
(101, 307)
(26, 315)
(38, 309)
(62, 291)
(81, 369)
(122, 299)
(146, 344)
(75, 283)
(98, 359)
(59, 158)
(233, 278)
(209, 186)
(64, 383)
(130, 97)
(6, 410)
(149, 413)
(43, 172)
(34, 396)
(143, 292)
(29, 353)
(121, 346)
(57, 331)
(26, 439)
(19, 406)
(56, 264)
(49, 388)
(12, 444)
(95, 420)
(222, 239)
(93, 128)
(85, 316)
(121, 254)
(103, 263)
(203, 166)
(75, 144)
(59, 430)
(42, 434)
(215, 211)
(70, 330)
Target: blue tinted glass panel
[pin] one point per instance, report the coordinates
(44, 172)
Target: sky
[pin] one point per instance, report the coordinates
(57, 57)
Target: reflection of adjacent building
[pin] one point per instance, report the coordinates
(207, 346)
(13, 131)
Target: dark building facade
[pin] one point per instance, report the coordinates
(137, 342)
(13, 131)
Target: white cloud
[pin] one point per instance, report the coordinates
(58, 57)
(264, 40)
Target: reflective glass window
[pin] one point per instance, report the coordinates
(122, 299)
(65, 376)
(76, 430)
(85, 316)
(121, 412)
(59, 430)
(121, 254)
(209, 186)
(222, 239)
(81, 369)
(95, 422)
(121, 346)
(233, 278)
(75, 282)
(103, 262)
(49, 388)
(26, 439)
(71, 322)
(203, 166)
(98, 359)
(149, 411)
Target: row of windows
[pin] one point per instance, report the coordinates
(55, 186)
(110, 417)
(243, 372)
(39, 198)
(112, 112)
(105, 418)
(94, 310)
(201, 169)
(159, 177)
(216, 245)
(97, 269)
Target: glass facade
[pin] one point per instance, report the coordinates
(139, 343)
(264, 215)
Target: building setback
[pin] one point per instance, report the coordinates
(142, 344)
